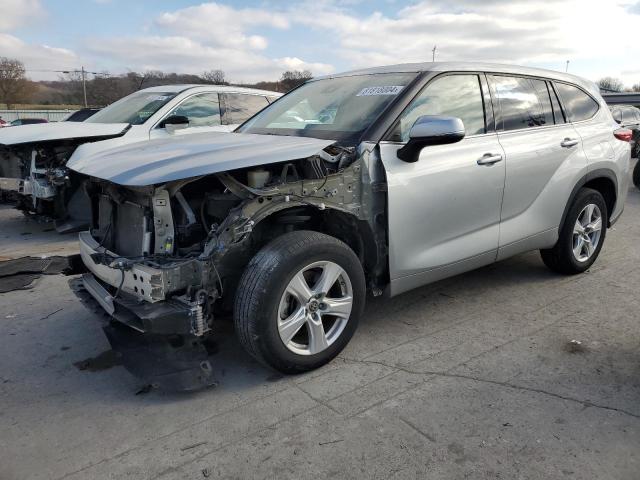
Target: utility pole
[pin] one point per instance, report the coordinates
(433, 53)
(84, 86)
(566, 68)
(83, 73)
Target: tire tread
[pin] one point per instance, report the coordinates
(254, 281)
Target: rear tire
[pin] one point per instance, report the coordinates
(299, 301)
(636, 174)
(581, 235)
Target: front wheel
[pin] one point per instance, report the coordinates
(581, 236)
(299, 301)
(636, 174)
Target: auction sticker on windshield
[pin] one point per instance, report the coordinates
(385, 90)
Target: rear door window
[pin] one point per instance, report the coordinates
(522, 102)
(240, 107)
(578, 104)
(450, 95)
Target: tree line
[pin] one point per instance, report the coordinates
(613, 84)
(103, 89)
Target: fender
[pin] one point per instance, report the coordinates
(592, 175)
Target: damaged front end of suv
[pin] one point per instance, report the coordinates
(280, 226)
(165, 253)
(33, 171)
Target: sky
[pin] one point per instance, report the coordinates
(252, 40)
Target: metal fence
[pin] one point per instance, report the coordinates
(49, 115)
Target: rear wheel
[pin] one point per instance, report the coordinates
(581, 236)
(299, 301)
(636, 174)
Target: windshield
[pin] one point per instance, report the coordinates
(134, 109)
(333, 109)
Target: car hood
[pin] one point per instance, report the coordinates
(45, 132)
(159, 161)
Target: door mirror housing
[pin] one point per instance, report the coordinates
(431, 130)
(175, 122)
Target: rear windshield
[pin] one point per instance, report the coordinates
(333, 108)
(134, 109)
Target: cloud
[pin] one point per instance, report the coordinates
(634, 8)
(221, 25)
(321, 34)
(470, 30)
(38, 57)
(205, 37)
(16, 13)
(185, 55)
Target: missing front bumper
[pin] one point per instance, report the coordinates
(154, 340)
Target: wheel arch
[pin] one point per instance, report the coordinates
(347, 227)
(602, 180)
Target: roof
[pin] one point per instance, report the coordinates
(209, 88)
(470, 66)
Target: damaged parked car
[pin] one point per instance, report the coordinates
(380, 180)
(33, 159)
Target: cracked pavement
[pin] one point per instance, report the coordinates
(471, 377)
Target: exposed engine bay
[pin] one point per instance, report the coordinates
(178, 249)
(35, 177)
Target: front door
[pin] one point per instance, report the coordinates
(444, 209)
(203, 112)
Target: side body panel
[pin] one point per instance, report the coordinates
(444, 210)
(540, 177)
(604, 152)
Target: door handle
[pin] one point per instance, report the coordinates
(489, 159)
(569, 142)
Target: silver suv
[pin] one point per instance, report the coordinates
(378, 180)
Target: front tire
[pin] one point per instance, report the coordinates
(581, 235)
(636, 174)
(299, 301)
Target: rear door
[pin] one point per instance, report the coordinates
(540, 148)
(444, 209)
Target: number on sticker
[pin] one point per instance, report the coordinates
(384, 90)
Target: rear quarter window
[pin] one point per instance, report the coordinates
(578, 104)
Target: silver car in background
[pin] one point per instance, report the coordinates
(378, 180)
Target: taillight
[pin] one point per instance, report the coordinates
(623, 134)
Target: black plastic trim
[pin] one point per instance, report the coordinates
(599, 173)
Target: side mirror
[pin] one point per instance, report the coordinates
(174, 122)
(431, 130)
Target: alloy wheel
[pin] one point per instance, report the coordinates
(315, 308)
(586, 232)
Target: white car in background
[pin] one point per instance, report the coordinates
(33, 158)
